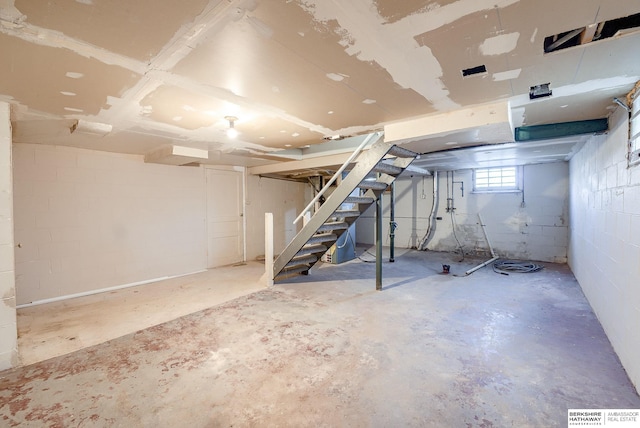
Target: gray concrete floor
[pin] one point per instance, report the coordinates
(486, 350)
(54, 329)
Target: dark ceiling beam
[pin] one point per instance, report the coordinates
(559, 130)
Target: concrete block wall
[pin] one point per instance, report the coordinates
(285, 199)
(604, 246)
(536, 231)
(88, 220)
(8, 327)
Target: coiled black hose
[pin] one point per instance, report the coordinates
(506, 267)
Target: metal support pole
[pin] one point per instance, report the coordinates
(268, 249)
(392, 222)
(379, 243)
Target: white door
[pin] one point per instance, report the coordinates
(225, 235)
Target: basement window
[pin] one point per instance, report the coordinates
(503, 179)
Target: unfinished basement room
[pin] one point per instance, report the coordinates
(320, 213)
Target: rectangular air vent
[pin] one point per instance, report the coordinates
(474, 70)
(540, 91)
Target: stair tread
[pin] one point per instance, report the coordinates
(326, 237)
(402, 152)
(333, 225)
(346, 213)
(302, 260)
(359, 200)
(373, 185)
(311, 249)
(387, 168)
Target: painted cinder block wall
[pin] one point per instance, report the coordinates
(88, 220)
(285, 199)
(537, 230)
(604, 245)
(8, 328)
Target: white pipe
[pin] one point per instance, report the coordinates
(337, 174)
(434, 209)
(485, 235)
(472, 270)
(493, 255)
(103, 290)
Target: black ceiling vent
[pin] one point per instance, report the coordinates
(540, 91)
(474, 70)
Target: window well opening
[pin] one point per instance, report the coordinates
(474, 70)
(600, 31)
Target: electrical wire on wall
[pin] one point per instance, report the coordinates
(453, 228)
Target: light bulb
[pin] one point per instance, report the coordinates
(232, 133)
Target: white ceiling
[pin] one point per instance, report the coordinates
(508, 154)
(293, 72)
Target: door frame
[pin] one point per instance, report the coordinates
(243, 173)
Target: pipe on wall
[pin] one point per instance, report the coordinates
(392, 222)
(379, 243)
(493, 254)
(432, 217)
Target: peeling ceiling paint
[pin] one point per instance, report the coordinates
(507, 75)
(295, 72)
(501, 44)
(364, 34)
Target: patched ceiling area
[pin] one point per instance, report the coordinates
(289, 74)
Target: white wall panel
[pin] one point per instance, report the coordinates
(285, 199)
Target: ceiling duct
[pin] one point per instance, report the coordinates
(177, 155)
(94, 128)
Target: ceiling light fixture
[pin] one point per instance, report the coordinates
(336, 137)
(232, 132)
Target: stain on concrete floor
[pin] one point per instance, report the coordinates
(485, 350)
